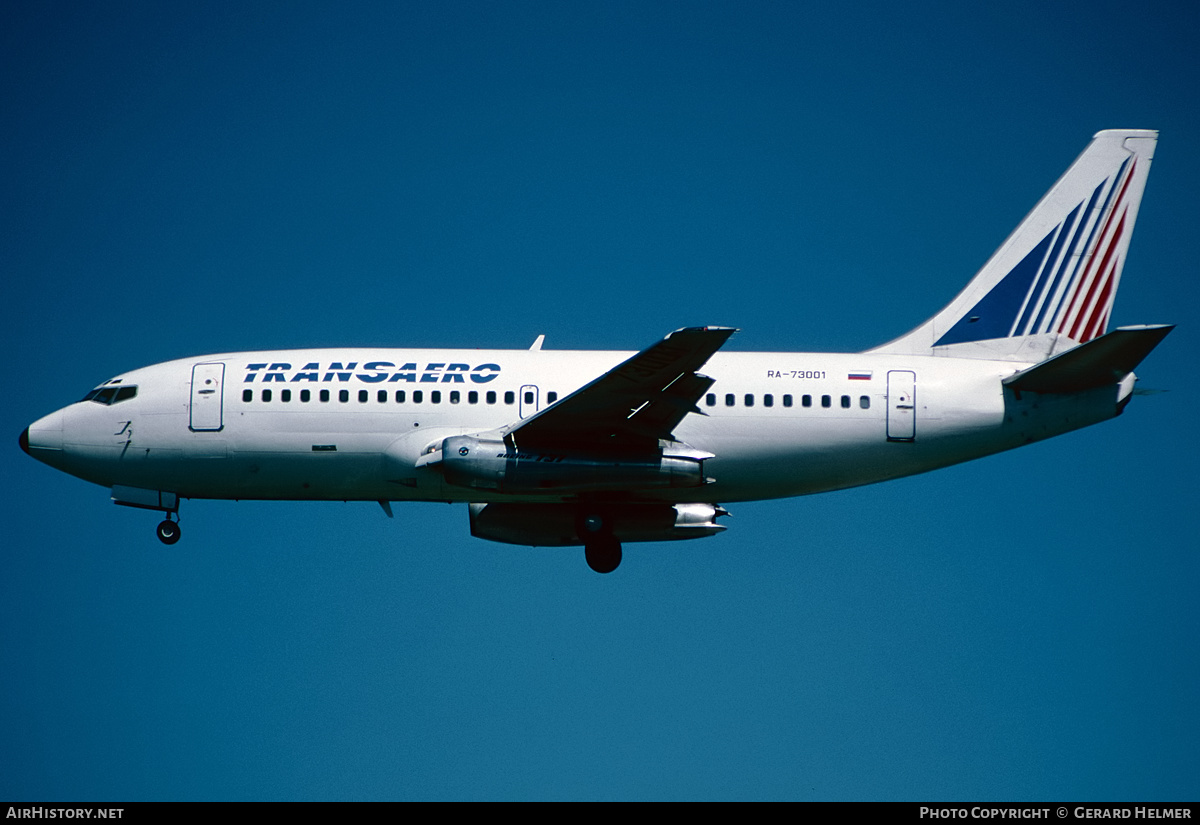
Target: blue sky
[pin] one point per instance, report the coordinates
(227, 176)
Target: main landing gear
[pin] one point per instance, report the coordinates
(168, 531)
(601, 549)
(603, 554)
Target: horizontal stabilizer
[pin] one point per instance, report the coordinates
(1099, 362)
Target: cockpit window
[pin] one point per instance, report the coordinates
(111, 395)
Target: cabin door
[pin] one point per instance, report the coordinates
(902, 405)
(207, 398)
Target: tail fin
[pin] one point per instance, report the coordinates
(1051, 284)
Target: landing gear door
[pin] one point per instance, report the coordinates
(902, 405)
(208, 382)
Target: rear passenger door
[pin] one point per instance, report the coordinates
(901, 405)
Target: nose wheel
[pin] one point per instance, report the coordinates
(168, 531)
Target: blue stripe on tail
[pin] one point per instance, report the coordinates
(993, 316)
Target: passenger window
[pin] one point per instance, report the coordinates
(528, 397)
(749, 399)
(845, 402)
(711, 399)
(806, 401)
(510, 397)
(381, 396)
(266, 395)
(305, 395)
(768, 400)
(400, 396)
(473, 397)
(285, 395)
(324, 395)
(551, 397)
(247, 395)
(787, 400)
(418, 396)
(864, 401)
(435, 396)
(491, 396)
(343, 396)
(363, 395)
(826, 401)
(454, 396)
(730, 399)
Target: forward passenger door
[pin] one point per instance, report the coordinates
(207, 404)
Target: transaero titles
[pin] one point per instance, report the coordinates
(372, 372)
(1062, 812)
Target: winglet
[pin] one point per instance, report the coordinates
(537, 344)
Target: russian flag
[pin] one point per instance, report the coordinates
(860, 375)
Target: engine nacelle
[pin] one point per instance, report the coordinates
(563, 525)
(490, 464)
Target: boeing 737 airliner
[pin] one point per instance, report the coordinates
(599, 448)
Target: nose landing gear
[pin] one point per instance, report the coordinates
(168, 531)
(163, 501)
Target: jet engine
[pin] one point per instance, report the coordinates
(491, 464)
(564, 525)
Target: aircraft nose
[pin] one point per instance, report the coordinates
(44, 434)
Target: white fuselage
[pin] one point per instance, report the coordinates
(254, 425)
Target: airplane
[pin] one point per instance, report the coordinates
(599, 449)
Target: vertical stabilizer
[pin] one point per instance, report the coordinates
(1055, 278)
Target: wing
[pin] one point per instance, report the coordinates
(631, 406)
